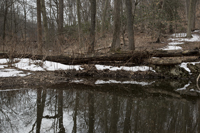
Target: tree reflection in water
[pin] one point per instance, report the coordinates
(74, 110)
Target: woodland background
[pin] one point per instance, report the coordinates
(89, 26)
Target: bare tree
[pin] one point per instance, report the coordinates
(60, 24)
(79, 22)
(39, 27)
(104, 18)
(44, 20)
(92, 28)
(116, 34)
(189, 27)
(131, 45)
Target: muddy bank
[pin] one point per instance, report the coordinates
(189, 71)
(35, 79)
(47, 78)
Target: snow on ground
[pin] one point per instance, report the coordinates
(12, 73)
(184, 65)
(125, 68)
(185, 88)
(122, 82)
(175, 43)
(197, 31)
(10, 90)
(38, 65)
(99, 82)
(181, 37)
(178, 39)
(171, 48)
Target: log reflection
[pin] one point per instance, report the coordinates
(72, 110)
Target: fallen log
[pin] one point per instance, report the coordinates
(122, 58)
(171, 60)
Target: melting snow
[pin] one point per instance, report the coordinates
(171, 48)
(178, 39)
(184, 65)
(175, 43)
(12, 73)
(122, 82)
(38, 65)
(134, 68)
(184, 88)
(181, 37)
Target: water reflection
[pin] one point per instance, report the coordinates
(77, 108)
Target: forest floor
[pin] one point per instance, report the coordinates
(143, 42)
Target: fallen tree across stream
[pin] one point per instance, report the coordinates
(122, 58)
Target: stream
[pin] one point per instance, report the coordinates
(102, 107)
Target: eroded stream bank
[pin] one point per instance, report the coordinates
(27, 72)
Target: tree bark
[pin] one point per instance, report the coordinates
(104, 18)
(60, 25)
(189, 26)
(92, 28)
(193, 16)
(79, 22)
(116, 34)
(39, 27)
(131, 45)
(44, 21)
(4, 22)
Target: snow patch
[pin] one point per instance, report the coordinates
(12, 73)
(171, 48)
(125, 68)
(77, 81)
(184, 88)
(175, 43)
(122, 82)
(184, 65)
(38, 65)
(181, 37)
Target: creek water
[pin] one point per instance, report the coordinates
(162, 107)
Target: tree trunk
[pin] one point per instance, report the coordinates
(25, 18)
(189, 27)
(104, 18)
(131, 45)
(60, 25)
(92, 28)
(4, 23)
(39, 27)
(116, 34)
(46, 39)
(79, 22)
(193, 15)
